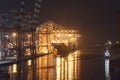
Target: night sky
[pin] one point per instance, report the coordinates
(95, 19)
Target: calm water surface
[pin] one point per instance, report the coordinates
(72, 67)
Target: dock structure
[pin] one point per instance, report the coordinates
(48, 38)
(24, 36)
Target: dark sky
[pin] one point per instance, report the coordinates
(96, 19)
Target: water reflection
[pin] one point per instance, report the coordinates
(29, 62)
(49, 67)
(68, 67)
(52, 67)
(107, 72)
(112, 70)
(12, 71)
(71, 67)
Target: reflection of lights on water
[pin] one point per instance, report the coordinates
(14, 68)
(58, 61)
(70, 57)
(62, 68)
(107, 69)
(70, 67)
(58, 73)
(58, 68)
(67, 68)
(29, 62)
(62, 59)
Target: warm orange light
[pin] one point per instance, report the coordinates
(14, 34)
(29, 35)
(70, 57)
(29, 62)
(14, 68)
(57, 34)
(58, 61)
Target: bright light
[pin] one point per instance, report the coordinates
(29, 62)
(70, 68)
(107, 53)
(14, 34)
(57, 34)
(107, 74)
(6, 36)
(77, 52)
(69, 35)
(70, 57)
(109, 42)
(58, 68)
(117, 42)
(29, 35)
(14, 68)
(58, 61)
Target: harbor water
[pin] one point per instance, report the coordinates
(71, 67)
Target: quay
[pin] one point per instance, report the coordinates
(47, 39)
(25, 38)
(22, 59)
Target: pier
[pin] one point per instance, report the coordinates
(24, 38)
(48, 38)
